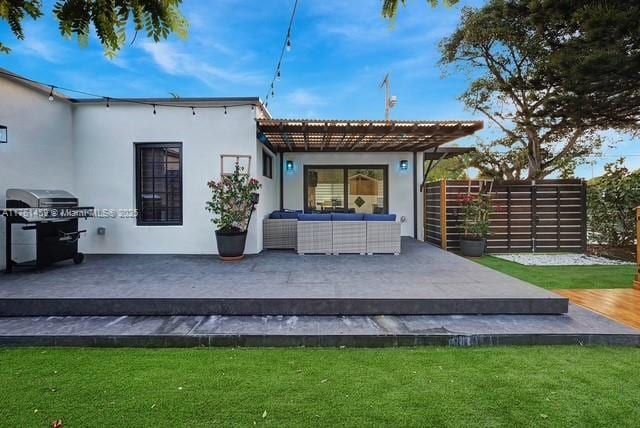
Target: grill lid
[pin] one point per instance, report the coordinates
(38, 198)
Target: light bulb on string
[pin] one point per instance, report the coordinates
(154, 109)
(278, 74)
(225, 110)
(288, 44)
(193, 111)
(51, 94)
(108, 103)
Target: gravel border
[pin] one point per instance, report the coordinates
(560, 260)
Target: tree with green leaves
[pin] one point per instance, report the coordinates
(501, 159)
(454, 168)
(390, 7)
(611, 202)
(537, 69)
(109, 18)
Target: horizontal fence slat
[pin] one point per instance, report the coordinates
(549, 214)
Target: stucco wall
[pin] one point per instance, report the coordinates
(400, 181)
(38, 154)
(105, 172)
(270, 192)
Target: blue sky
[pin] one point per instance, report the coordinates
(341, 51)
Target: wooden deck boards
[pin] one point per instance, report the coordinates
(622, 305)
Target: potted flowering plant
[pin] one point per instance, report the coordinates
(476, 210)
(233, 200)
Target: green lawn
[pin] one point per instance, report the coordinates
(556, 277)
(534, 386)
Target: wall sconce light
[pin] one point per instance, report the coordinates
(289, 166)
(3, 134)
(404, 165)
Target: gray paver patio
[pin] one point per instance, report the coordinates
(422, 280)
(422, 271)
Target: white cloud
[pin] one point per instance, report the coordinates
(41, 48)
(304, 98)
(175, 61)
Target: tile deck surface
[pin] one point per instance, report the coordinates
(422, 271)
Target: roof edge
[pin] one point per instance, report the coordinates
(185, 100)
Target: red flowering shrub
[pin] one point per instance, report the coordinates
(476, 210)
(232, 200)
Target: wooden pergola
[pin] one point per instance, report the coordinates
(302, 135)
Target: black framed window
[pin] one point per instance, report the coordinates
(267, 164)
(159, 183)
(346, 188)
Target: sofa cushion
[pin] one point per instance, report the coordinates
(346, 217)
(285, 214)
(289, 215)
(379, 217)
(314, 217)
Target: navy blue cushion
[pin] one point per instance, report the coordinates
(379, 217)
(285, 214)
(289, 214)
(314, 217)
(346, 217)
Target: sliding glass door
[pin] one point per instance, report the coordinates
(366, 190)
(324, 189)
(349, 188)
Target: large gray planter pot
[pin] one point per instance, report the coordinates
(231, 245)
(472, 247)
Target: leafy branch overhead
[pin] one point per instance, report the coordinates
(109, 18)
(390, 7)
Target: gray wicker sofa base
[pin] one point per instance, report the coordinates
(331, 236)
(344, 237)
(280, 234)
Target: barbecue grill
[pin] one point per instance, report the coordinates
(53, 214)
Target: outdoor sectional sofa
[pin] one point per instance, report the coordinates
(336, 233)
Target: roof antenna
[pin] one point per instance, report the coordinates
(390, 101)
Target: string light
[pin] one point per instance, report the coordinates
(121, 100)
(193, 111)
(225, 109)
(286, 46)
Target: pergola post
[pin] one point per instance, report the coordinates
(636, 282)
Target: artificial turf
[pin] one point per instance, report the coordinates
(557, 277)
(516, 386)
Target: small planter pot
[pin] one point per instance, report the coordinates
(231, 245)
(472, 247)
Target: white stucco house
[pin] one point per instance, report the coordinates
(99, 153)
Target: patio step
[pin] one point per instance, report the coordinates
(578, 326)
(281, 306)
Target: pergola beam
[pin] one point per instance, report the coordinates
(371, 136)
(362, 137)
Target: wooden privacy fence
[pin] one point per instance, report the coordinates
(544, 215)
